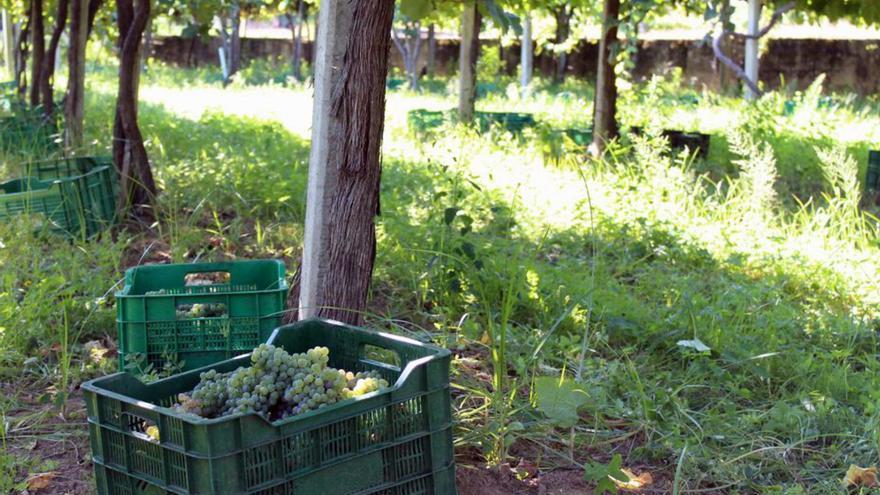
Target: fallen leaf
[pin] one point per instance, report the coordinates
(695, 344)
(40, 481)
(859, 476)
(634, 482)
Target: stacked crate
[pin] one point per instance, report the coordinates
(75, 197)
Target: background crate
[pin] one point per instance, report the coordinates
(421, 120)
(696, 142)
(27, 133)
(149, 325)
(79, 206)
(58, 168)
(581, 137)
(104, 192)
(872, 179)
(394, 441)
(512, 122)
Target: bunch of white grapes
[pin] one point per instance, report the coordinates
(277, 385)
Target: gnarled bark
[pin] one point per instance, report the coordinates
(137, 187)
(345, 162)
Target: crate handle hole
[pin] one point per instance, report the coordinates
(380, 355)
(143, 428)
(201, 279)
(201, 310)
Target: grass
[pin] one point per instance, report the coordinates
(720, 316)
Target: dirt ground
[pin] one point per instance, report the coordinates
(59, 457)
(59, 450)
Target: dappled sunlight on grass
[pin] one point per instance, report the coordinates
(700, 306)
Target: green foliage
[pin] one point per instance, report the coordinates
(622, 270)
(559, 399)
(603, 475)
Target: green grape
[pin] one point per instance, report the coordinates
(277, 385)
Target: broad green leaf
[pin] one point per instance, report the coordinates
(559, 400)
(449, 214)
(604, 475)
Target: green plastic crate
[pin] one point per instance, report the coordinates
(394, 83)
(393, 441)
(57, 168)
(27, 133)
(421, 120)
(872, 180)
(581, 137)
(695, 142)
(60, 168)
(511, 122)
(150, 326)
(78, 206)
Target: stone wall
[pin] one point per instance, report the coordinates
(849, 65)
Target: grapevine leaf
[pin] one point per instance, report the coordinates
(559, 400)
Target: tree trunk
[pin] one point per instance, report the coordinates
(563, 31)
(468, 55)
(8, 43)
(527, 54)
(432, 52)
(235, 42)
(147, 48)
(297, 31)
(314, 60)
(38, 50)
(605, 101)
(94, 7)
(137, 187)
(751, 49)
(47, 73)
(74, 103)
(410, 47)
(21, 56)
(415, 51)
(345, 163)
